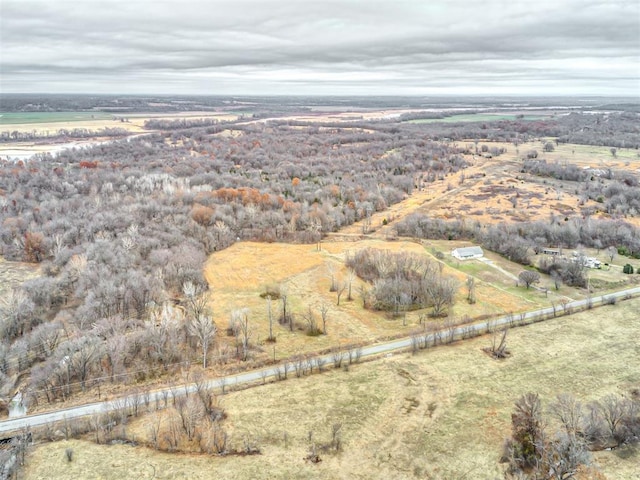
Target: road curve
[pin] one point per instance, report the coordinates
(253, 376)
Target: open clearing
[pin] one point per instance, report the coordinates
(442, 414)
(239, 274)
(494, 190)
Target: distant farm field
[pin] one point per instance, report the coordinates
(441, 414)
(48, 123)
(10, 118)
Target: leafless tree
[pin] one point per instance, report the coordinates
(116, 352)
(441, 294)
(171, 433)
(564, 302)
(271, 338)
(528, 277)
(340, 288)
(351, 275)
(286, 317)
(365, 295)
(612, 410)
(416, 343)
(331, 268)
(240, 320)
(337, 356)
(324, 312)
(471, 289)
(312, 323)
(82, 353)
(191, 411)
(135, 401)
(450, 329)
(154, 425)
(16, 309)
(569, 412)
(204, 329)
(561, 457)
(498, 347)
(197, 301)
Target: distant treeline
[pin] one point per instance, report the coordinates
(16, 136)
(181, 123)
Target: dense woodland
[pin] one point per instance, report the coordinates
(122, 229)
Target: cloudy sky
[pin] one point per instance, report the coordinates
(325, 47)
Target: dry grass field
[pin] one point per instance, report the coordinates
(494, 190)
(238, 275)
(442, 414)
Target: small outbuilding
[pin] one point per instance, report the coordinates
(465, 253)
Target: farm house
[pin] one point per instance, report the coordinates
(466, 253)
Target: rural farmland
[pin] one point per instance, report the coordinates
(281, 256)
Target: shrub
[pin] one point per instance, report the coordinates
(628, 268)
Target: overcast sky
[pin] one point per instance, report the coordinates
(346, 47)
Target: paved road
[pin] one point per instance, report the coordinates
(255, 376)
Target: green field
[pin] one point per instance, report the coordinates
(16, 118)
(476, 117)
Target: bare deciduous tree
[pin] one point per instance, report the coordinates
(324, 312)
(528, 277)
(498, 347)
(351, 275)
(569, 412)
(197, 301)
(204, 329)
(340, 288)
(271, 338)
(240, 322)
(471, 289)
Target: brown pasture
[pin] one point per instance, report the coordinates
(440, 414)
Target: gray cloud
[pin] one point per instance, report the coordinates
(321, 47)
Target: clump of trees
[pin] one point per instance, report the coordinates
(535, 451)
(571, 272)
(403, 281)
